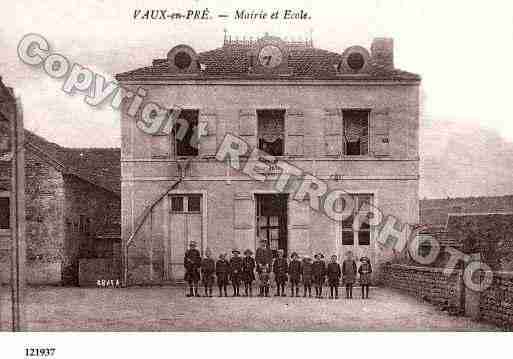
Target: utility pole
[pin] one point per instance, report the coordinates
(18, 219)
(13, 156)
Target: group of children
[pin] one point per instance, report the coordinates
(241, 270)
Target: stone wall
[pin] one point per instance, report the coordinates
(496, 302)
(426, 283)
(44, 208)
(44, 227)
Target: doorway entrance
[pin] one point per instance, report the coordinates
(185, 227)
(357, 240)
(272, 220)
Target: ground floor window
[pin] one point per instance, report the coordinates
(272, 220)
(361, 235)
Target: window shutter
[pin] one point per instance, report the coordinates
(299, 226)
(332, 132)
(294, 125)
(244, 221)
(160, 146)
(381, 127)
(208, 140)
(248, 127)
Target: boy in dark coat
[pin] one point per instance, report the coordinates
(208, 268)
(236, 271)
(280, 269)
(349, 274)
(365, 271)
(294, 274)
(318, 273)
(248, 272)
(333, 272)
(306, 273)
(192, 264)
(222, 274)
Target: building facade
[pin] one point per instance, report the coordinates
(350, 119)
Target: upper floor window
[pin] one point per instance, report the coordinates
(356, 132)
(271, 131)
(186, 143)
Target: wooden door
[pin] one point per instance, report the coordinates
(185, 226)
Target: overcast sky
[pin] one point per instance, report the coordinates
(463, 51)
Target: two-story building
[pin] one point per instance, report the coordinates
(350, 119)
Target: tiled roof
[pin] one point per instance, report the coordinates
(232, 62)
(99, 166)
(434, 211)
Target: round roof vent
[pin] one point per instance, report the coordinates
(182, 60)
(355, 59)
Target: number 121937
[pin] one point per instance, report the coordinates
(39, 352)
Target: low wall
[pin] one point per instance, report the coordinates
(496, 302)
(41, 272)
(426, 283)
(36, 272)
(100, 269)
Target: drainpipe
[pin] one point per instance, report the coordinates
(138, 226)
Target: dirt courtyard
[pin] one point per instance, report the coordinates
(167, 309)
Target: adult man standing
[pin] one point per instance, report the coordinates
(263, 259)
(264, 254)
(192, 264)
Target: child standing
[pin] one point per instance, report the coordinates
(319, 273)
(280, 269)
(208, 268)
(333, 272)
(236, 271)
(248, 272)
(294, 274)
(365, 271)
(222, 274)
(349, 274)
(265, 280)
(306, 272)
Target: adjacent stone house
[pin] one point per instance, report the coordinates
(350, 119)
(72, 209)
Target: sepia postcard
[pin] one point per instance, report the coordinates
(220, 166)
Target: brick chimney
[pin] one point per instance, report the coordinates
(382, 52)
